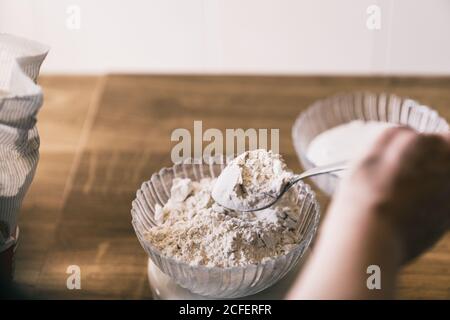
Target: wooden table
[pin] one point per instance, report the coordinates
(102, 136)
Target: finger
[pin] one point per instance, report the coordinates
(436, 146)
(376, 153)
(445, 135)
(399, 142)
(385, 138)
(420, 152)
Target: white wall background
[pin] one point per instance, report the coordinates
(237, 36)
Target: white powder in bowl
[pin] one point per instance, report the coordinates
(345, 142)
(194, 229)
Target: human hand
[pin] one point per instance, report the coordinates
(405, 182)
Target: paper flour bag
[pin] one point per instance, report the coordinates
(20, 100)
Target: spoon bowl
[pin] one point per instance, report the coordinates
(267, 200)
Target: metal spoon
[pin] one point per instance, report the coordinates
(271, 199)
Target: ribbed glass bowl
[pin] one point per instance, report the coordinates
(342, 108)
(218, 282)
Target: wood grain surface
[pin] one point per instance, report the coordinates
(101, 137)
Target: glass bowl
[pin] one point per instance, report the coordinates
(342, 108)
(232, 282)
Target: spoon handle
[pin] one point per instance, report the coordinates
(337, 166)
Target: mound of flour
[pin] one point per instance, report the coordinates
(251, 180)
(194, 229)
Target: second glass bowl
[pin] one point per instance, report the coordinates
(342, 108)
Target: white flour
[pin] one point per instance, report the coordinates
(194, 229)
(345, 142)
(251, 180)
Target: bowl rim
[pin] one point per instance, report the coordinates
(305, 242)
(295, 132)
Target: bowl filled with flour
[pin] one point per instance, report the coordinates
(342, 127)
(214, 251)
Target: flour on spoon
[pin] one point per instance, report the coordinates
(251, 180)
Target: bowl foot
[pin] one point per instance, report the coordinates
(164, 288)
